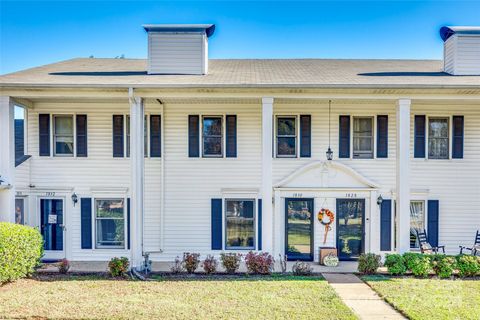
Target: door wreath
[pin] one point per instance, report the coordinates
(331, 217)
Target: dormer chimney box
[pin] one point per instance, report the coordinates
(461, 50)
(178, 48)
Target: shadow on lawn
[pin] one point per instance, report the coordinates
(162, 277)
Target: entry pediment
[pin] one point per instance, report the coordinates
(326, 174)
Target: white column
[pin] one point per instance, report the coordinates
(137, 114)
(267, 212)
(7, 159)
(403, 175)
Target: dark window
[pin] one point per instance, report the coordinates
(19, 132)
(286, 137)
(240, 224)
(20, 211)
(438, 138)
(63, 135)
(110, 223)
(363, 137)
(212, 137)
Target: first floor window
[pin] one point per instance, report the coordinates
(212, 137)
(438, 138)
(240, 224)
(20, 211)
(63, 135)
(417, 221)
(363, 137)
(110, 223)
(286, 137)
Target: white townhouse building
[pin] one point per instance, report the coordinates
(178, 153)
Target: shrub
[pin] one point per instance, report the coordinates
(443, 265)
(63, 266)
(231, 261)
(118, 267)
(259, 263)
(177, 266)
(210, 264)
(421, 265)
(395, 264)
(368, 263)
(21, 248)
(468, 266)
(302, 269)
(191, 261)
(410, 258)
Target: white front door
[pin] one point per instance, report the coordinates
(52, 227)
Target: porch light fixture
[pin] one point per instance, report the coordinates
(379, 200)
(329, 152)
(74, 198)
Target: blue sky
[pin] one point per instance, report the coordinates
(38, 32)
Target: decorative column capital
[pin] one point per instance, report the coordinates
(267, 100)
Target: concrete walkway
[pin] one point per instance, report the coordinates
(359, 297)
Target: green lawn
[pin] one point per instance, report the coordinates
(430, 298)
(245, 298)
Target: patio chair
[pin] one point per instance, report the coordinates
(475, 249)
(426, 247)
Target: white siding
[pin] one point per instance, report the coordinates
(177, 53)
(462, 55)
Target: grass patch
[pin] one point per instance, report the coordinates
(430, 298)
(245, 297)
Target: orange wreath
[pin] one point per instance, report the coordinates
(331, 217)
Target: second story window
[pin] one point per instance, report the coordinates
(438, 144)
(63, 135)
(286, 136)
(212, 136)
(145, 136)
(363, 137)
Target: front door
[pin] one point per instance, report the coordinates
(299, 229)
(350, 228)
(52, 228)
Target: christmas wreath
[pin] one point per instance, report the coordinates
(331, 217)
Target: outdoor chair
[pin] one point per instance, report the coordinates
(475, 249)
(426, 247)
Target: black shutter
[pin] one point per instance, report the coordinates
(382, 136)
(305, 136)
(81, 135)
(118, 136)
(419, 141)
(44, 134)
(19, 138)
(193, 136)
(231, 136)
(128, 223)
(457, 143)
(86, 222)
(259, 223)
(155, 136)
(432, 222)
(344, 137)
(216, 224)
(386, 225)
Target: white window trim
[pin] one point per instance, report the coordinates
(94, 224)
(223, 117)
(297, 135)
(52, 135)
(255, 222)
(374, 135)
(450, 136)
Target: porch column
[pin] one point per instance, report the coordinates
(137, 114)
(267, 212)
(7, 160)
(403, 175)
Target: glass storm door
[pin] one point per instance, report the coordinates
(52, 227)
(299, 229)
(350, 228)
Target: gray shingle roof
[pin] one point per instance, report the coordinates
(93, 72)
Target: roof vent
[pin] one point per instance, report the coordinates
(178, 48)
(461, 50)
